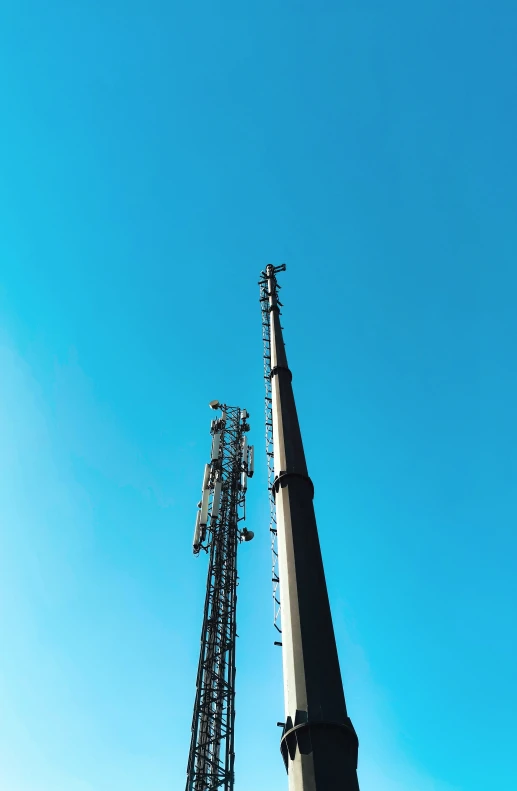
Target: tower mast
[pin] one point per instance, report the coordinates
(218, 532)
(319, 744)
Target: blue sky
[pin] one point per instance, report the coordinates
(154, 157)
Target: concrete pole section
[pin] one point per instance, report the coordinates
(319, 744)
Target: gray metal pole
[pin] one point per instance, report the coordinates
(319, 744)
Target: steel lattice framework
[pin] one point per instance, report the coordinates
(222, 509)
(270, 455)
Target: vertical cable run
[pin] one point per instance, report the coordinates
(270, 457)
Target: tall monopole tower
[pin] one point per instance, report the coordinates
(318, 744)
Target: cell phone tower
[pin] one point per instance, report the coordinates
(221, 511)
(318, 743)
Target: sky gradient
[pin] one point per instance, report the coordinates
(154, 158)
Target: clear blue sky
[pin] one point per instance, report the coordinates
(154, 157)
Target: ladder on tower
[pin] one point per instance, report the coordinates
(270, 455)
